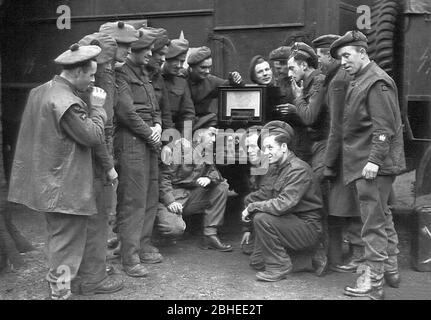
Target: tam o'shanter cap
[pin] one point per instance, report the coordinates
(279, 127)
(77, 54)
(198, 55)
(105, 42)
(351, 38)
(162, 39)
(325, 40)
(177, 47)
(281, 53)
(304, 49)
(120, 31)
(147, 36)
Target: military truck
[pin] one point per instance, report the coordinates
(34, 33)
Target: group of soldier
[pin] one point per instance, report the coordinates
(90, 145)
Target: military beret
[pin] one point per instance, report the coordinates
(351, 38)
(162, 39)
(105, 42)
(279, 127)
(281, 53)
(120, 31)
(325, 40)
(77, 54)
(177, 47)
(198, 55)
(304, 49)
(147, 36)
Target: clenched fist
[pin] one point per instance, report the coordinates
(97, 97)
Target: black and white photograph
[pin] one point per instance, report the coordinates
(215, 156)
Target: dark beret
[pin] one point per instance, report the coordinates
(177, 47)
(105, 42)
(120, 31)
(325, 40)
(281, 53)
(351, 38)
(147, 36)
(198, 55)
(279, 127)
(304, 49)
(77, 54)
(162, 39)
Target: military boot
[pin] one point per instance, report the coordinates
(320, 261)
(353, 263)
(368, 284)
(392, 276)
(150, 254)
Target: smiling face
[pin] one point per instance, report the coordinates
(280, 68)
(174, 65)
(274, 150)
(263, 73)
(353, 59)
(142, 57)
(201, 70)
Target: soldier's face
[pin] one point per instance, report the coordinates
(352, 59)
(142, 57)
(85, 76)
(253, 149)
(123, 51)
(273, 150)
(158, 59)
(263, 73)
(203, 69)
(208, 137)
(173, 66)
(296, 70)
(324, 58)
(281, 69)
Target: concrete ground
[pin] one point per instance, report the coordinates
(189, 272)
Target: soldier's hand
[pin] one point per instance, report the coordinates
(370, 171)
(245, 215)
(155, 135)
(286, 108)
(176, 207)
(245, 237)
(236, 77)
(97, 97)
(203, 181)
(297, 90)
(112, 174)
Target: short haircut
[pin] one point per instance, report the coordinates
(281, 138)
(85, 65)
(299, 57)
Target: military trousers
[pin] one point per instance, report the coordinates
(277, 235)
(76, 248)
(378, 232)
(209, 201)
(137, 195)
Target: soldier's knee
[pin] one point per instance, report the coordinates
(260, 218)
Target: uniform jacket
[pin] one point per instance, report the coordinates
(163, 100)
(52, 170)
(336, 96)
(182, 107)
(372, 128)
(290, 189)
(137, 108)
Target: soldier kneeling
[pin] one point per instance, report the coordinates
(286, 213)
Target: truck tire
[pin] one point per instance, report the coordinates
(382, 33)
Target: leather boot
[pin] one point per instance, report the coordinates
(353, 263)
(392, 276)
(320, 262)
(368, 284)
(272, 275)
(213, 242)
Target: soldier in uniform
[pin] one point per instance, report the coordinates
(53, 173)
(343, 208)
(373, 154)
(136, 146)
(286, 211)
(204, 86)
(123, 34)
(154, 70)
(279, 58)
(189, 189)
(182, 107)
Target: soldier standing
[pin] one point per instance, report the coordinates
(182, 107)
(373, 154)
(136, 145)
(52, 172)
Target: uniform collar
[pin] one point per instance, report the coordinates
(364, 70)
(310, 78)
(137, 69)
(60, 79)
(286, 162)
